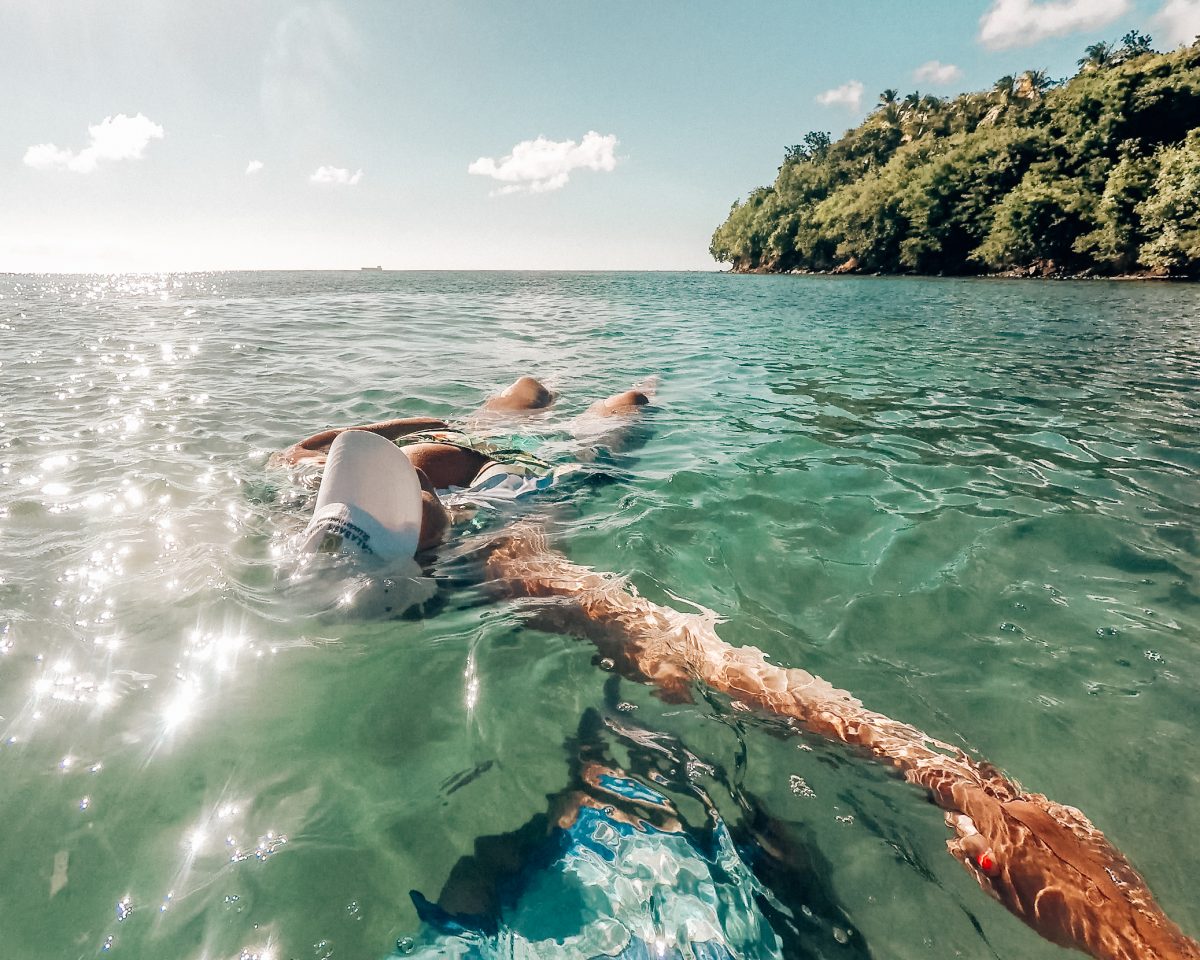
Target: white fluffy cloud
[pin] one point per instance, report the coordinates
(541, 165)
(113, 138)
(336, 175)
(849, 94)
(253, 167)
(1178, 22)
(937, 73)
(1021, 23)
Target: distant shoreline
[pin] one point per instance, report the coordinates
(1034, 177)
(717, 271)
(1026, 274)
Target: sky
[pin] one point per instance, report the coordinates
(460, 134)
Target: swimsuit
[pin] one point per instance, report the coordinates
(603, 888)
(514, 472)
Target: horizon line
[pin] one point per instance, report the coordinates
(372, 270)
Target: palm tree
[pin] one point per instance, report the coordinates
(935, 116)
(1039, 80)
(1032, 84)
(888, 97)
(1004, 87)
(1097, 55)
(956, 114)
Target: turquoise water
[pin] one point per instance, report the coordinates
(971, 503)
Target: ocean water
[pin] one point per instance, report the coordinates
(973, 504)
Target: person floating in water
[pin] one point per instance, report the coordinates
(445, 457)
(1044, 861)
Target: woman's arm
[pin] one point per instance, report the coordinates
(1044, 861)
(317, 446)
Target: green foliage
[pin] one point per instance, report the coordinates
(1118, 233)
(1170, 214)
(1134, 44)
(1101, 172)
(862, 221)
(949, 202)
(814, 147)
(1039, 220)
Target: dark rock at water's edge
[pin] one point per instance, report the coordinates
(1041, 270)
(1093, 176)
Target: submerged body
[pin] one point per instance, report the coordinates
(634, 859)
(611, 869)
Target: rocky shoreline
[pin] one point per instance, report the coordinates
(1042, 270)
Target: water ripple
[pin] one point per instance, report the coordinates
(973, 504)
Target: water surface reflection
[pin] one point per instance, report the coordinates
(972, 504)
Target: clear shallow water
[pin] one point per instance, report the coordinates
(972, 504)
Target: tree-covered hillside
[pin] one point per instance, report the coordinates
(1098, 173)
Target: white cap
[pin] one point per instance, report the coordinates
(369, 502)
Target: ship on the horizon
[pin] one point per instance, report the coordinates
(371, 268)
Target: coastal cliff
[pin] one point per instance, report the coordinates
(1095, 175)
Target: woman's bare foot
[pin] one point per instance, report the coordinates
(623, 404)
(523, 395)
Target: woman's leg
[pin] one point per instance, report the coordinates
(522, 396)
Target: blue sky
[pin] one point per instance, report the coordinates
(653, 119)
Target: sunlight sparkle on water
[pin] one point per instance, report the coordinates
(182, 706)
(266, 847)
(61, 683)
(219, 649)
(472, 686)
